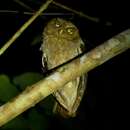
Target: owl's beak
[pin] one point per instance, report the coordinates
(61, 31)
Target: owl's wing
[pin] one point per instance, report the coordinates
(66, 98)
(60, 108)
(67, 95)
(81, 90)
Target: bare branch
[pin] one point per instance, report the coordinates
(81, 14)
(21, 30)
(94, 19)
(23, 5)
(37, 92)
(32, 13)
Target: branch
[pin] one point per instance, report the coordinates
(81, 14)
(93, 19)
(32, 13)
(23, 5)
(21, 30)
(37, 92)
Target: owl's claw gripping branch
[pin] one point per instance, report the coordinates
(57, 79)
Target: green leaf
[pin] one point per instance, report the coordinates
(7, 90)
(27, 79)
(37, 121)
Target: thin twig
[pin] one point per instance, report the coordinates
(32, 13)
(94, 19)
(23, 5)
(68, 72)
(21, 30)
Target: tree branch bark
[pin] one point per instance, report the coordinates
(37, 92)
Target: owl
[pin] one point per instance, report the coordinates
(61, 43)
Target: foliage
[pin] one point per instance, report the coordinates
(33, 119)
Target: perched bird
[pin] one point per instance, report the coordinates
(61, 43)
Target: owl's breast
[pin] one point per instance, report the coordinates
(59, 50)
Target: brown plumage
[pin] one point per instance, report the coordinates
(62, 42)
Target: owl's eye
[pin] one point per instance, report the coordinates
(57, 23)
(70, 30)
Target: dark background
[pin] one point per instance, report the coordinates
(106, 102)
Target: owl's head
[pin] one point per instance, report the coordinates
(61, 28)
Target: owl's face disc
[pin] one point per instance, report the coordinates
(61, 28)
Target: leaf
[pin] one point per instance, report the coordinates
(7, 90)
(27, 79)
(37, 121)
